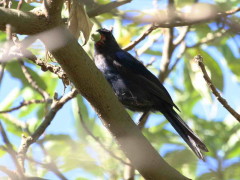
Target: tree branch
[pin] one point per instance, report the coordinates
(32, 82)
(167, 53)
(22, 22)
(199, 60)
(185, 19)
(87, 78)
(140, 38)
(22, 104)
(11, 151)
(55, 107)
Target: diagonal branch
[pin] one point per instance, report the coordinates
(94, 87)
(32, 82)
(10, 150)
(140, 38)
(199, 60)
(55, 107)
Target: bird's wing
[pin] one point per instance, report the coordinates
(144, 75)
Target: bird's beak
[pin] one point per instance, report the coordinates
(96, 37)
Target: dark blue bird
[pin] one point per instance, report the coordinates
(137, 88)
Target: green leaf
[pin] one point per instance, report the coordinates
(183, 160)
(10, 98)
(209, 176)
(79, 105)
(211, 64)
(11, 126)
(15, 70)
(24, 7)
(2, 152)
(232, 172)
(215, 70)
(231, 60)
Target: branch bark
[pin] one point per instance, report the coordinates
(94, 87)
(199, 60)
(22, 22)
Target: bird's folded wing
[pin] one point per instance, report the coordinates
(144, 76)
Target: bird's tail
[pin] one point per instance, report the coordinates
(186, 133)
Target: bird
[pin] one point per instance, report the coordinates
(137, 88)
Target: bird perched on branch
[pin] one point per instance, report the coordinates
(137, 88)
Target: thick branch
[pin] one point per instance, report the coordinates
(53, 8)
(94, 87)
(22, 22)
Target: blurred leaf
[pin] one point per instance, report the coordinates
(232, 172)
(215, 70)
(11, 126)
(183, 160)
(82, 178)
(2, 36)
(211, 64)
(209, 176)
(79, 21)
(201, 30)
(10, 99)
(2, 153)
(15, 70)
(58, 137)
(232, 62)
(198, 84)
(79, 105)
(24, 7)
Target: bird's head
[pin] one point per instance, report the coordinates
(103, 38)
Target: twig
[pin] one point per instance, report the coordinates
(210, 37)
(49, 166)
(98, 141)
(55, 107)
(22, 104)
(140, 38)
(143, 119)
(183, 49)
(199, 60)
(32, 82)
(11, 151)
(151, 61)
(230, 12)
(10, 173)
(16, 122)
(52, 68)
(2, 72)
(167, 53)
(20, 3)
(181, 36)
